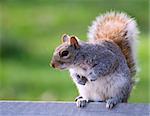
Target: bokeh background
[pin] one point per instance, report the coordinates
(31, 29)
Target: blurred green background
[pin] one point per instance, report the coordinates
(31, 29)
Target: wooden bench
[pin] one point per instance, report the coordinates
(34, 108)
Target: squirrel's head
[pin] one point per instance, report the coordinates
(65, 54)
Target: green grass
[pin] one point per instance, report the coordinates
(30, 33)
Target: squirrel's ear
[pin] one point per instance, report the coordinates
(65, 38)
(74, 42)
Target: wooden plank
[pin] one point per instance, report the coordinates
(28, 108)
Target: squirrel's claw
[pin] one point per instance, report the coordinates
(78, 97)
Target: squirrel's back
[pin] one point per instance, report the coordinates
(120, 29)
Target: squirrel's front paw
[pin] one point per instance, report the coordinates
(81, 103)
(92, 76)
(81, 79)
(110, 103)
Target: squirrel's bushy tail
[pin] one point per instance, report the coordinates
(119, 28)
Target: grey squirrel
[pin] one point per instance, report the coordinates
(103, 67)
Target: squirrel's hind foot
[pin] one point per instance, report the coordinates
(80, 102)
(110, 103)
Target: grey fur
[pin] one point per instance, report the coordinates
(104, 58)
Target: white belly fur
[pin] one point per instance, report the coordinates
(101, 89)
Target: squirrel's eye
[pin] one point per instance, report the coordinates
(64, 53)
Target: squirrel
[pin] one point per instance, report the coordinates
(104, 67)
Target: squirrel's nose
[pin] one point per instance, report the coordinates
(53, 65)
